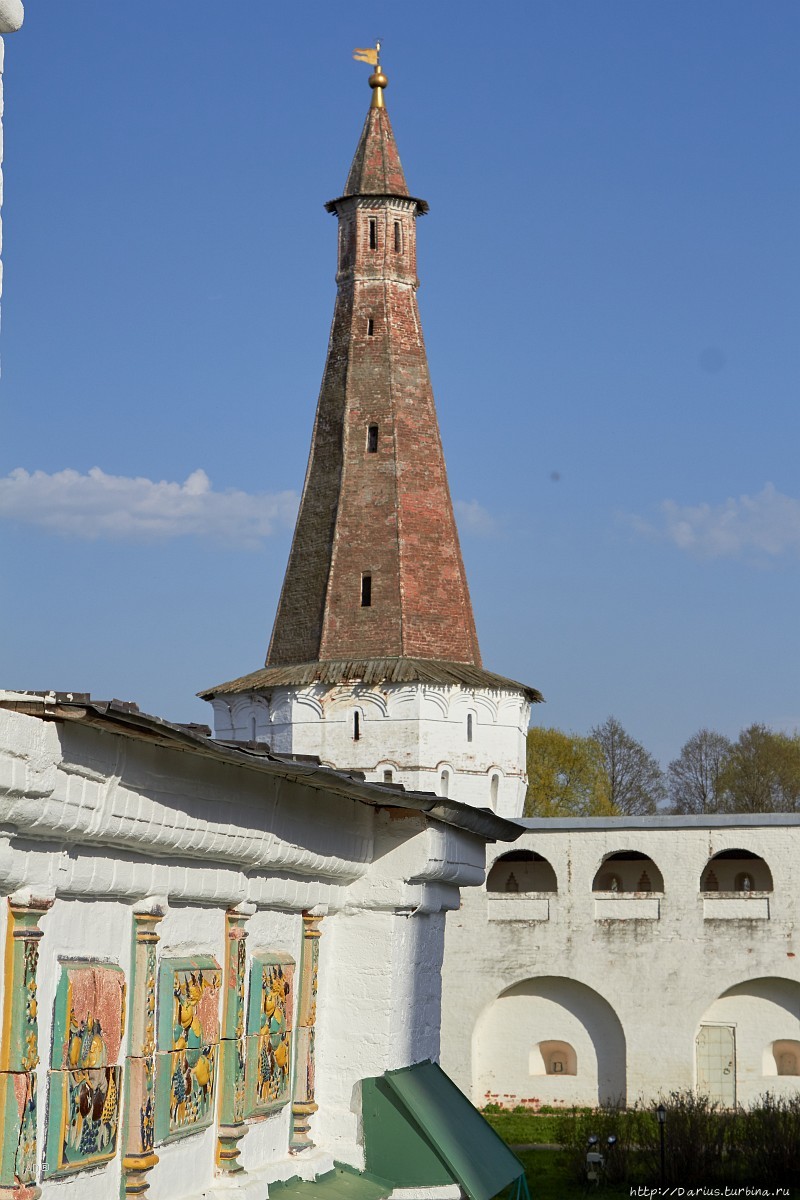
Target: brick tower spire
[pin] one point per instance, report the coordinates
(374, 663)
(375, 569)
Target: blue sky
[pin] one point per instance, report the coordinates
(610, 300)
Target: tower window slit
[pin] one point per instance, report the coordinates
(366, 591)
(469, 727)
(356, 726)
(398, 238)
(372, 439)
(373, 233)
(370, 327)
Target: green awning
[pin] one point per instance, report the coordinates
(420, 1130)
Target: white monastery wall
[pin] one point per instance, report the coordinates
(624, 980)
(468, 744)
(101, 834)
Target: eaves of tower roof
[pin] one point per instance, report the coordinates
(372, 671)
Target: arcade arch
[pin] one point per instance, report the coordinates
(736, 871)
(521, 871)
(748, 1041)
(542, 1021)
(628, 871)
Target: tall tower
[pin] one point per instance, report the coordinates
(374, 662)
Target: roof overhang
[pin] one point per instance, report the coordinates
(117, 718)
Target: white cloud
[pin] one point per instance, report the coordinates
(473, 518)
(765, 524)
(97, 505)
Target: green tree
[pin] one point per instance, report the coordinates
(762, 772)
(565, 776)
(695, 776)
(634, 778)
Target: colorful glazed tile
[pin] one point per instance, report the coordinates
(232, 1081)
(185, 1084)
(18, 1158)
(269, 1024)
(268, 1075)
(188, 1003)
(271, 991)
(83, 1118)
(188, 1038)
(140, 1105)
(89, 1016)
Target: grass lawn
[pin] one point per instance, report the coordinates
(520, 1129)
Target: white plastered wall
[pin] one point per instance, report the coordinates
(659, 962)
(416, 732)
(100, 823)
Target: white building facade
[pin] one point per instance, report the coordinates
(207, 951)
(620, 958)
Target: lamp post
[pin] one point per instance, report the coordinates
(661, 1115)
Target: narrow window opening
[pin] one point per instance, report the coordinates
(469, 727)
(366, 591)
(387, 776)
(494, 788)
(356, 726)
(373, 233)
(372, 439)
(370, 327)
(398, 238)
(252, 729)
(445, 783)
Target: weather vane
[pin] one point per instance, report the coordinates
(377, 80)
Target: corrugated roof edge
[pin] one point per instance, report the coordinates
(117, 718)
(373, 671)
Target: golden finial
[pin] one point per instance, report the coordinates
(377, 80)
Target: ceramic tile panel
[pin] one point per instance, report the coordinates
(270, 1020)
(188, 1045)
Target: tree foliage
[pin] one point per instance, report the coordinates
(634, 778)
(565, 776)
(762, 772)
(695, 776)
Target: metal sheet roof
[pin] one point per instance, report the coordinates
(477, 1157)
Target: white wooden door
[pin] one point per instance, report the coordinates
(716, 1063)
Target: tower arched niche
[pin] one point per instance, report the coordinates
(745, 1038)
(549, 1009)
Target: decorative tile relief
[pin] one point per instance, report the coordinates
(304, 1104)
(269, 1032)
(138, 1135)
(86, 1075)
(19, 1051)
(232, 1064)
(18, 1158)
(188, 1044)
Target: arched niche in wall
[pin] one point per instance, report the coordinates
(628, 871)
(557, 1012)
(521, 871)
(553, 1058)
(782, 1057)
(736, 871)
